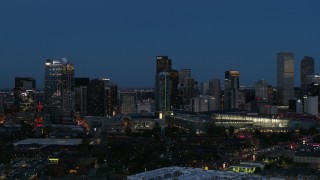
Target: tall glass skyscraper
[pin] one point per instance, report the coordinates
(163, 93)
(59, 94)
(231, 89)
(285, 77)
(307, 68)
(163, 85)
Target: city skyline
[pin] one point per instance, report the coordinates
(120, 40)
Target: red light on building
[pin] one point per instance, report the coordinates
(38, 122)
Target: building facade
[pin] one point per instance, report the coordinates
(261, 90)
(59, 94)
(184, 73)
(24, 93)
(307, 68)
(202, 104)
(95, 98)
(164, 64)
(128, 102)
(163, 93)
(231, 89)
(285, 77)
(81, 99)
(214, 90)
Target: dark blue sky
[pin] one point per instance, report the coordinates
(120, 39)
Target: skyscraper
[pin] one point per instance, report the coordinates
(214, 90)
(231, 89)
(167, 79)
(188, 91)
(184, 73)
(307, 68)
(111, 98)
(163, 93)
(101, 97)
(95, 98)
(164, 64)
(285, 77)
(59, 89)
(81, 99)
(204, 88)
(81, 86)
(261, 90)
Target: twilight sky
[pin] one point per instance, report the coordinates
(119, 39)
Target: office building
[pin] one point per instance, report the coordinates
(102, 97)
(312, 83)
(164, 64)
(204, 88)
(171, 82)
(188, 91)
(163, 93)
(81, 99)
(24, 93)
(111, 99)
(231, 89)
(81, 86)
(184, 73)
(59, 94)
(176, 95)
(311, 105)
(202, 104)
(95, 98)
(295, 105)
(215, 90)
(128, 102)
(307, 68)
(261, 90)
(285, 77)
(81, 81)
